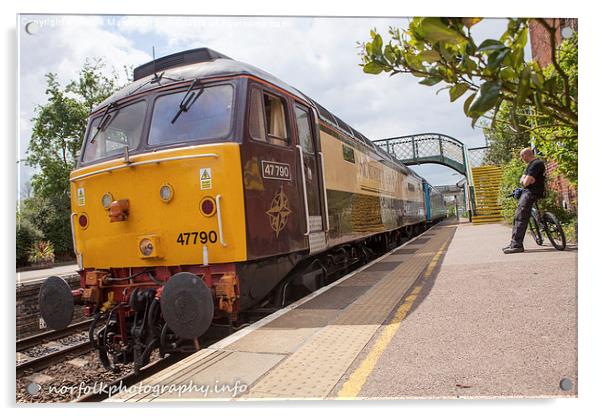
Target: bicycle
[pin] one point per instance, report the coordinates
(546, 221)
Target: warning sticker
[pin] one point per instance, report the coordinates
(81, 197)
(205, 178)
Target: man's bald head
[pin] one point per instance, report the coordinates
(527, 154)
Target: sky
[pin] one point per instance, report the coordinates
(318, 56)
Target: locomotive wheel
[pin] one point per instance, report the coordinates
(187, 305)
(56, 303)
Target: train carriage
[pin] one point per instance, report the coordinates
(207, 187)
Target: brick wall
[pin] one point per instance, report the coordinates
(567, 194)
(541, 46)
(28, 313)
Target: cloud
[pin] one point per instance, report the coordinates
(319, 56)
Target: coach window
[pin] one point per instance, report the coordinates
(267, 118)
(348, 154)
(304, 128)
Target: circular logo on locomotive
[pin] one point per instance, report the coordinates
(279, 212)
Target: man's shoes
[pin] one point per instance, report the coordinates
(512, 250)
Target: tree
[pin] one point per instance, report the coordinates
(539, 102)
(57, 135)
(504, 141)
(60, 124)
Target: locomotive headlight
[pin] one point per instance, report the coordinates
(146, 247)
(166, 192)
(106, 200)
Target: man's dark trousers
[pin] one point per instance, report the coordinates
(521, 218)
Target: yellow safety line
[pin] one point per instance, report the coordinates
(353, 386)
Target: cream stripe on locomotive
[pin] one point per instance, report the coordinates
(364, 175)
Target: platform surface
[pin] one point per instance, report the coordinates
(446, 315)
(36, 276)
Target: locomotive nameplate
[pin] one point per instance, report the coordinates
(275, 170)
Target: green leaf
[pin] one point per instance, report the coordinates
(537, 80)
(373, 68)
(518, 57)
(507, 73)
(521, 39)
(429, 56)
(418, 74)
(457, 91)
(486, 98)
(523, 86)
(490, 45)
(390, 54)
(435, 30)
(468, 102)
(497, 57)
(430, 81)
(377, 45)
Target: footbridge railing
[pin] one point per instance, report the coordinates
(422, 148)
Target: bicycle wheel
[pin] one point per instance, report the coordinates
(554, 231)
(535, 231)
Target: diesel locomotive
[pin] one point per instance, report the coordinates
(208, 187)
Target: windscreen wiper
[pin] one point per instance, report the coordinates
(189, 99)
(103, 123)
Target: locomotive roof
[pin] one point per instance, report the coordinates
(207, 63)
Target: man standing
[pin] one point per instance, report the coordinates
(533, 182)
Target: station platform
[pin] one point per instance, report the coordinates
(445, 315)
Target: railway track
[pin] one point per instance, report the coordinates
(46, 360)
(29, 342)
(55, 355)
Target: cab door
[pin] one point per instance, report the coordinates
(312, 178)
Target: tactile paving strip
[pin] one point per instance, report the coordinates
(338, 297)
(420, 240)
(383, 266)
(406, 251)
(315, 368)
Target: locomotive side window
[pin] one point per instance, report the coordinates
(267, 118)
(275, 119)
(118, 128)
(208, 116)
(304, 128)
(256, 119)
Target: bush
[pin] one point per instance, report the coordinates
(41, 252)
(51, 217)
(511, 174)
(27, 235)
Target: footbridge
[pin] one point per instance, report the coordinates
(481, 191)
